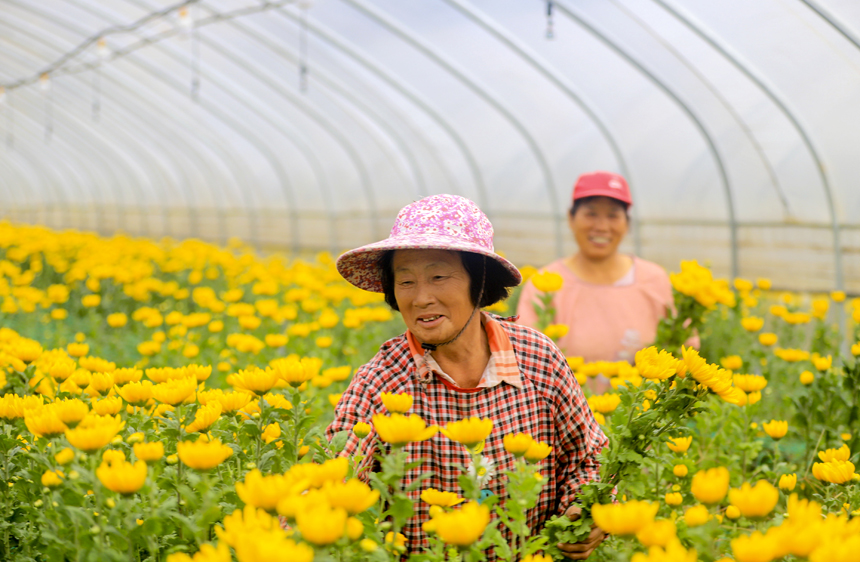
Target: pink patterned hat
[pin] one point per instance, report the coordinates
(438, 222)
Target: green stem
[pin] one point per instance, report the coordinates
(812, 454)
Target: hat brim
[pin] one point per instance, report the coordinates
(360, 266)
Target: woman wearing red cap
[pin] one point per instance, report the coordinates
(611, 301)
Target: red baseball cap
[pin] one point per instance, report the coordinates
(602, 184)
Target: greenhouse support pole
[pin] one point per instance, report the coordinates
(747, 69)
(742, 125)
(429, 51)
(709, 141)
(562, 83)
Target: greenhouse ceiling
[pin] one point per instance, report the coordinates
(306, 126)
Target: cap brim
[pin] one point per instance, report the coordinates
(360, 266)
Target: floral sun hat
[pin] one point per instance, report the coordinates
(438, 222)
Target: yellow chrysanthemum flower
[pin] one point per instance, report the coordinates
(755, 547)
(265, 492)
(461, 527)
(470, 432)
(696, 516)
(843, 453)
(835, 471)
(354, 496)
(787, 482)
(537, 452)
(775, 429)
(754, 501)
(44, 422)
(517, 444)
(749, 383)
(657, 533)
(247, 522)
(95, 432)
(122, 477)
(656, 364)
(752, 323)
(204, 417)
(292, 371)
(361, 430)
(258, 381)
(624, 518)
(710, 486)
(109, 406)
(174, 391)
(70, 411)
(547, 281)
(65, 456)
(604, 403)
(673, 498)
(396, 403)
(202, 454)
(680, 444)
(433, 496)
(136, 393)
(149, 452)
(767, 339)
(321, 525)
(272, 546)
(398, 430)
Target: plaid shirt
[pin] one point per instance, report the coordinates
(527, 388)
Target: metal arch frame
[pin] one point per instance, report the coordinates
(719, 96)
(67, 164)
(45, 184)
(482, 92)
(306, 108)
(748, 71)
(29, 118)
(230, 123)
(834, 21)
(132, 156)
(342, 45)
(709, 141)
(562, 83)
(234, 168)
(315, 115)
(332, 84)
(97, 141)
(172, 163)
(252, 209)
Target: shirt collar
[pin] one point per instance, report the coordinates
(502, 366)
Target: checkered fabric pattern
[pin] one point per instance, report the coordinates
(549, 405)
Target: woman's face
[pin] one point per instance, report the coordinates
(431, 288)
(598, 227)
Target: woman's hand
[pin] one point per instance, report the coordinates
(581, 550)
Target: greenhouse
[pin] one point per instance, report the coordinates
(430, 280)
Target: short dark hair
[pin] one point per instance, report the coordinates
(496, 285)
(585, 200)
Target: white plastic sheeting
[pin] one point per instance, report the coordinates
(736, 122)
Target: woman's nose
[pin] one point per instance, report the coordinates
(424, 294)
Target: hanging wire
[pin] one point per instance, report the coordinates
(10, 135)
(102, 53)
(97, 93)
(303, 48)
(69, 62)
(45, 83)
(550, 34)
(195, 60)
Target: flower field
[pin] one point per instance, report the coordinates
(167, 401)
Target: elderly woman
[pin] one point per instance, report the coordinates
(612, 302)
(438, 269)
